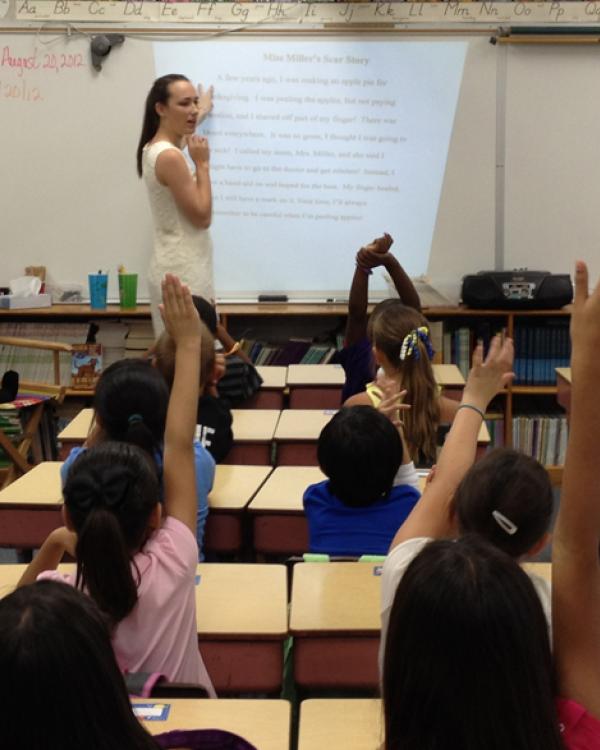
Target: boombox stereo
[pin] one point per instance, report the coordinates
(517, 290)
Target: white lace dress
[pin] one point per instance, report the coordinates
(179, 246)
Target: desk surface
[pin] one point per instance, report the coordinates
(238, 599)
(341, 724)
(284, 489)
(233, 600)
(249, 425)
(79, 427)
(273, 376)
(10, 575)
(254, 425)
(448, 375)
(325, 375)
(39, 487)
(264, 723)
(233, 488)
(564, 372)
(235, 485)
(302, 424)
(336, 597)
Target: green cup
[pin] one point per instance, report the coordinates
(128, 290)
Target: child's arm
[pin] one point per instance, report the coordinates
(58, 542)
(230, 345)
(432, 516)
(404, 286)
(367, 257)
(183, 325)
(575, 561)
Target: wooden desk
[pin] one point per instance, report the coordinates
(241, 612)
(10, 575)
(233, 488)
(341, 724)
(264, 723)
(315, 386)
(563, 388)
(253, 431)
(336, 625)
(242, 622)
(76, 432)
(30, 508)
(279, 524)
(272, 391)
(448, 376)
(297, 433)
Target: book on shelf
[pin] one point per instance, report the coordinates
(539, 350)
(542, 436)
(140, 338)
(86, 366)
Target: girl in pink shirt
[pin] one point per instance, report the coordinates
(467, 661)
(138, 566)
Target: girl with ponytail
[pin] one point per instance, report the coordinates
(136, 558)
(130, 406)
(402, 350)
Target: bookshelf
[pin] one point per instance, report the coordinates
(280, 321)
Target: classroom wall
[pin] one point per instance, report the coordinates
(72, 199)
(553, 157)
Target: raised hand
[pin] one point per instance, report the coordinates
(373, 254)
(585, 325)
(205, 101)
(488, 377)
(178, 312)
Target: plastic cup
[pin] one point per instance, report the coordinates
(128, 290)
(98, 283)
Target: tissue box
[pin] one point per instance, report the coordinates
(10, 302)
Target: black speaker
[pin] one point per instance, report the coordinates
(517, 290)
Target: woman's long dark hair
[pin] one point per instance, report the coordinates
(159, 93)
(61, 686)
(467, 660)
(110, 494)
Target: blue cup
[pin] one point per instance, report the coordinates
(98, 290)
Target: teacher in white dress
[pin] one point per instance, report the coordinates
(180, 199)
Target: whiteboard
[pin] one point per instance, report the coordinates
(72, 201)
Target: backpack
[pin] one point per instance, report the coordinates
(240, 381)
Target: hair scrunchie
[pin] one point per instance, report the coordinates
(410, 343)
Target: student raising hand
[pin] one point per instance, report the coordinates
(182, 322)
(431, 516)
(575, 562)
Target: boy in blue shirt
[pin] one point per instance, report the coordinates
(372, 485)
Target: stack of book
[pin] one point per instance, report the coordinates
(10, 424)
(295, 351)
(542, 436)
(539, 350)
(139, 339)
